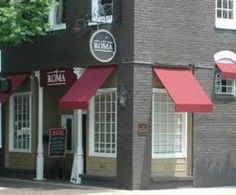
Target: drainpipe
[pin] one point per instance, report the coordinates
(78, 162)
(0, 104)
(40, 151)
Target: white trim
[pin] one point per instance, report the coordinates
(52, 20)
(224, 56)
(57, 27)
(92, 127)
(183, 154)
(11, 125)
(223, 23)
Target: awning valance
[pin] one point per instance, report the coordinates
(228, 71)
(78, 96)
(16, 81)
(184, 90)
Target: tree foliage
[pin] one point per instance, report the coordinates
(20, 20)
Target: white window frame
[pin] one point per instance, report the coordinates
(92, 152)
(183, 154)
(11, 125)
(95, 19)
(64, 117)
(225, 23)
(52, 20)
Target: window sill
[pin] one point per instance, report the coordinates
(156, 157)
(225, 97)
(169, 179)
(20, 151)
(225, 24)
(102, 156)
(57, 27)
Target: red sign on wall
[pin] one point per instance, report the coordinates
(58, 77)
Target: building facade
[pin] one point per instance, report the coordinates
(159, 113)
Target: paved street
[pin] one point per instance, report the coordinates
(24, 187)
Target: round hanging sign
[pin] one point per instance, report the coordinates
(103, 45)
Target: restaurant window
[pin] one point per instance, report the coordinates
(20, 122)
(223, 86)
(225, 14)
(103, 123)
(169, 127)
(102, 11)
(67, 123)
(57, 16)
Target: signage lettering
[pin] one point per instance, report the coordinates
(106, 47)
(57, 77)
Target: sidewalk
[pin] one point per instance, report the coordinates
(11, 186)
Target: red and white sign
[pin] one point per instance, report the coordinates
(58, 77)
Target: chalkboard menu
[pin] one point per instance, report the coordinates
(57, 142)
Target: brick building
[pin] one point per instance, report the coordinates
(143, 118)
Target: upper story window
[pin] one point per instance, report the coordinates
(225, 14)
(57, 16)
(102, 11)
(225, 85)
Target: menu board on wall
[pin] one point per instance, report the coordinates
(57, 142)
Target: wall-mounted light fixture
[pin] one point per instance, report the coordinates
(122, 95)
(81, 25)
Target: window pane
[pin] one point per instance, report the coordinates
(225, 3)
(219, 5)
(224, 14)
(230, 15)
(231, 4)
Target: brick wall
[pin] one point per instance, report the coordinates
(134, 151)
(181, 33)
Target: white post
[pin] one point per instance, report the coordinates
(78, 163)
(40, 151)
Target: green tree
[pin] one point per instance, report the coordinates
(20, 20)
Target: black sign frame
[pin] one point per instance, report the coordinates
(102, 45)
(57, 142)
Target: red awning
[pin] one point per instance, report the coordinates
(85, 88)
(184, 90)
(228, 71)
(16, 81)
